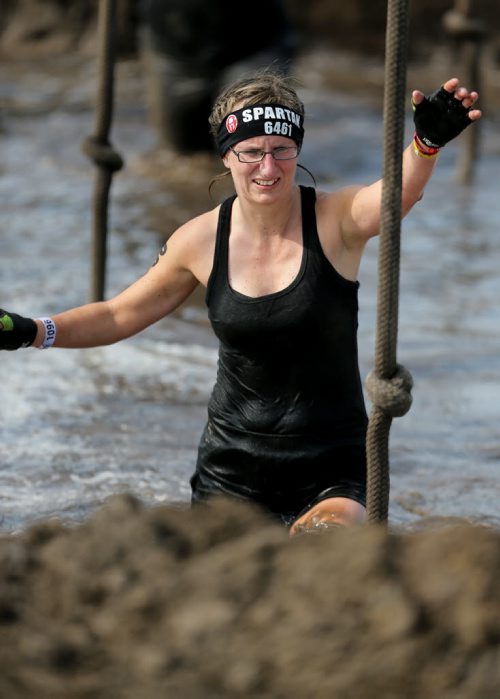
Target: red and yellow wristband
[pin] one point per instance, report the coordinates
(423, 151)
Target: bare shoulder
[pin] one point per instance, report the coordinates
(333, 217)
(332, 211)
(336, 203)
(197, 229)
(353, 210)
(192, 245)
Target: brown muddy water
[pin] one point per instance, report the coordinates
(79, 426)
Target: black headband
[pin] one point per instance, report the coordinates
(259, 120)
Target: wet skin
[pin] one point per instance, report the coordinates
(329, 513)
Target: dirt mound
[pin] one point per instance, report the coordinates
(218, 602)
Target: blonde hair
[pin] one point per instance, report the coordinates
(264, 87)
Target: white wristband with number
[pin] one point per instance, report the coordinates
(50, 333)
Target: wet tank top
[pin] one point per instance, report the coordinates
(288, 391)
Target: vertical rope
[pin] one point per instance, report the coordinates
(99, 149)
(386, 369)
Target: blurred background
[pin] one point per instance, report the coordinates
(190, 48)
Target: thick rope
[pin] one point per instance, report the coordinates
(389, 385)
(99, 149)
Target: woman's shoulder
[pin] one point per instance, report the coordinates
(193, 243)
(200, 227)
(337, 201)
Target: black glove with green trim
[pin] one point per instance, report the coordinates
(439, 118)
(16, 331)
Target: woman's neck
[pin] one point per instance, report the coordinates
(268, 220)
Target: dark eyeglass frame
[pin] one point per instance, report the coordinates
(266, 152)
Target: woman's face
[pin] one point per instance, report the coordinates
(267, 179)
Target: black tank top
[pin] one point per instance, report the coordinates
(288, 390)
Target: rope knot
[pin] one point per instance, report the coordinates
(103, 154)
(392, 396)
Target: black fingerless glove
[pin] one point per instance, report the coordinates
(16, 331)
(439, 118)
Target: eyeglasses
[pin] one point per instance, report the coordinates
(255, 156)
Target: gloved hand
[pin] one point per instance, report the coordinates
(16, 331)
(441, 116)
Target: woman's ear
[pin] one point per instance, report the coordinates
(225, 159)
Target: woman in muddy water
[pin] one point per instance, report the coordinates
(286, 419)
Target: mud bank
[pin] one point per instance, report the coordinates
(219, 602)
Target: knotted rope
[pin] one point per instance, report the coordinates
(389, 384)
(99, 149)
(103, 154)
(393, 395)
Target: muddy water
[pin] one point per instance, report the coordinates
(78, 426)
